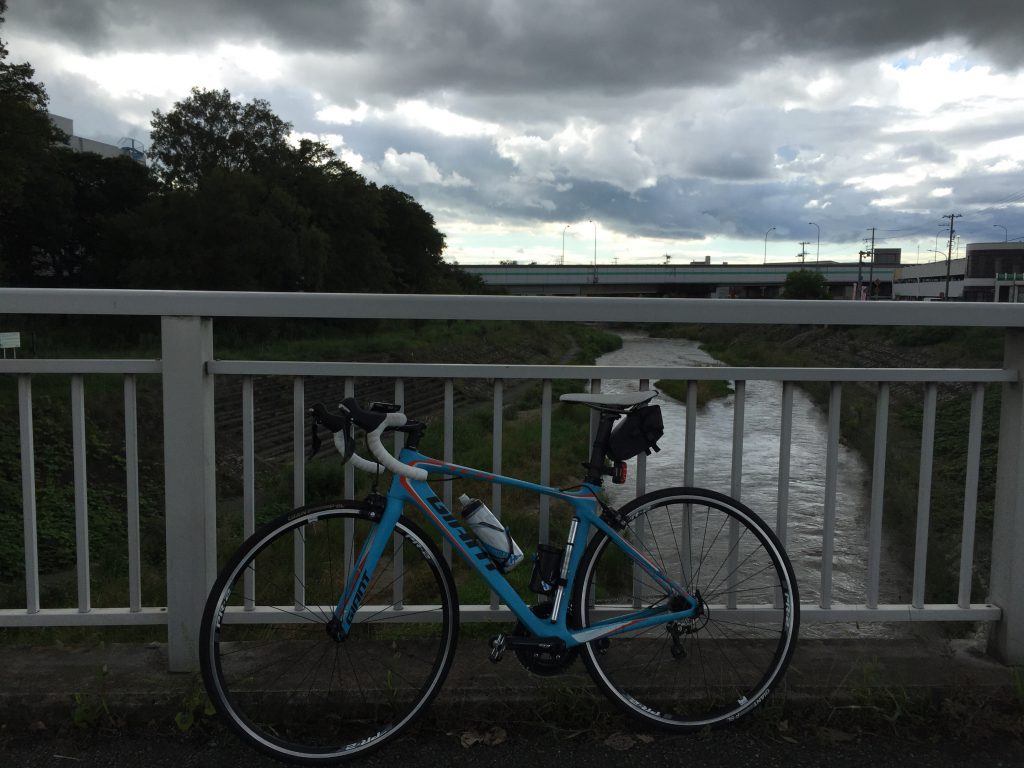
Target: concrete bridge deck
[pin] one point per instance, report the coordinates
(898, 703)
(40, 684)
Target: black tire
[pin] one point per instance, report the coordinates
(718, 666)
(289, 688)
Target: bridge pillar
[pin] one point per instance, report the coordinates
(189, 478)
(1007, 582)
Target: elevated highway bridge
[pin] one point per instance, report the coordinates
(693, 280)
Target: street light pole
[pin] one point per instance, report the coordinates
(766, 245)
(1005, 234)
(562, 262)
(817, 253)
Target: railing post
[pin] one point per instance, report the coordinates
(190, 490)
(1007, 582)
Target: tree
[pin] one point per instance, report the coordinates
(411, 242)
(54, 202)
(26, 133)
(346, 207)
(805, 284)
(29, 170)
(234, 185)
(103, 188)
(209, 130)
(235, 232)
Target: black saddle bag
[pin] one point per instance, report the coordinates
(637, 433)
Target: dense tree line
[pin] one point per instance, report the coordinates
(227, 203)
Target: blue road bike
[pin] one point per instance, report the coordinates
(333, 627)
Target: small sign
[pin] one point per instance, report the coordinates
(10, 340)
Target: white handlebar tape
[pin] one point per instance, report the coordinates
(390, 462)
(363, 465)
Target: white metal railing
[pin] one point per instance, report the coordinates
(188, 367)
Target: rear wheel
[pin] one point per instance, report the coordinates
(712, 668)
(273, 658)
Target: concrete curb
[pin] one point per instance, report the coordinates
(129, 683)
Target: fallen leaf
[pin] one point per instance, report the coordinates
(491, 737)
(495, 735)
(834, 735)
(619, 741)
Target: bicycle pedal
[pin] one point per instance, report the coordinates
(498, 645)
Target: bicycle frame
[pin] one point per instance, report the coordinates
(586, 517)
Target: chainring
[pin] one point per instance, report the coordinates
(539, 662)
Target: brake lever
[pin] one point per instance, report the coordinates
(315, 442)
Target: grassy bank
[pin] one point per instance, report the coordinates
(803, 346)
(706, 390)
(413, 342)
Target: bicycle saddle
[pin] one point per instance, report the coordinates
(619, 401)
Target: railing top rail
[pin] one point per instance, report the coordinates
(36, 365)
(556, 308)
(707, 373)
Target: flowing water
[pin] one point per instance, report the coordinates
(713, 470)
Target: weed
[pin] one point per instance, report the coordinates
(194, 707)
(91, 711)
(1018, 685)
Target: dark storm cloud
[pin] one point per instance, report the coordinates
(661, 118)
(529, 46)
(98, 25)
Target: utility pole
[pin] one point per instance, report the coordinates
(949, 252)
(871, 264)
(860, 263)
(803, 250)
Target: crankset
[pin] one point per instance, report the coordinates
(542, 662)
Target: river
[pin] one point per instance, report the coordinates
(713, 469)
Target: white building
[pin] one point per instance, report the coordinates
(989, 272)
(927, 282)
(78, 144)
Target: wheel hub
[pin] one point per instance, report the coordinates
(334, 630)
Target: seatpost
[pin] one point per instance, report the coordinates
(596, 468)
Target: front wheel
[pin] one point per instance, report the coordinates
(275, 662)
(718, 665)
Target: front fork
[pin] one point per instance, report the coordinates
(373, 548)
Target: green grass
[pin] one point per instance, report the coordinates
(706, 390)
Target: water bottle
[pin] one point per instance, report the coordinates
(492, 535)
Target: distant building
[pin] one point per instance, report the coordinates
(888, 256)
(989, 272)
(927, 282)
(129, 147)
(992, 270)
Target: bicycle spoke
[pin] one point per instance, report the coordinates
(709, 668)
(295, 686)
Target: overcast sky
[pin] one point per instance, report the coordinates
(677, 127)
